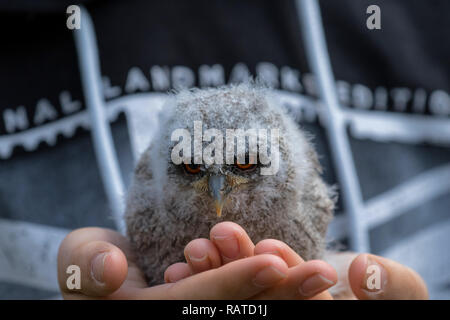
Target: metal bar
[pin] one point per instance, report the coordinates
(101, 132)
(317, 53)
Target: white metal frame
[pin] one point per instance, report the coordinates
(317, 52)
(86, 45)
(40, 240)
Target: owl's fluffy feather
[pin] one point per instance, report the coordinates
(164, 212)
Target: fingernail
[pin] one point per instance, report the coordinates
(194, 258)
(275, 253)
(314, 284)
(97, 266)
(228, 246)
(374, 281)
(268, 277)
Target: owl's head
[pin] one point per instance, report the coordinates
(230, 151)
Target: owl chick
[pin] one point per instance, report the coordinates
(170, 204)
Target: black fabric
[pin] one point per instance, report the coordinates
(60, 185)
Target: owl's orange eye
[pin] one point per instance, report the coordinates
(192, 168)
(245, 166)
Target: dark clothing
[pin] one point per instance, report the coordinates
(395, 81)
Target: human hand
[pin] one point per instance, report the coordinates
(397, 282)
(109, 271)
(230, 240)
(230, 244)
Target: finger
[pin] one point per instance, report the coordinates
(103, 266)
(305, 281)
(372, 278)
(279, 248)
(176, 272)
(240, 279)
(202, 255)
(232, 241)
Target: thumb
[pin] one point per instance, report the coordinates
(375, 278)
(103, 267)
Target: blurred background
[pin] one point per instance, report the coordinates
(392, 85)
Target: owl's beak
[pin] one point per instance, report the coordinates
(217, 189)
(219, 206)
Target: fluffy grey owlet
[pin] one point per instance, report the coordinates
(170, 204)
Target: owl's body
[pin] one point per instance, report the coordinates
(165, 211)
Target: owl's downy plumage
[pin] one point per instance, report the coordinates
(167, 206)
